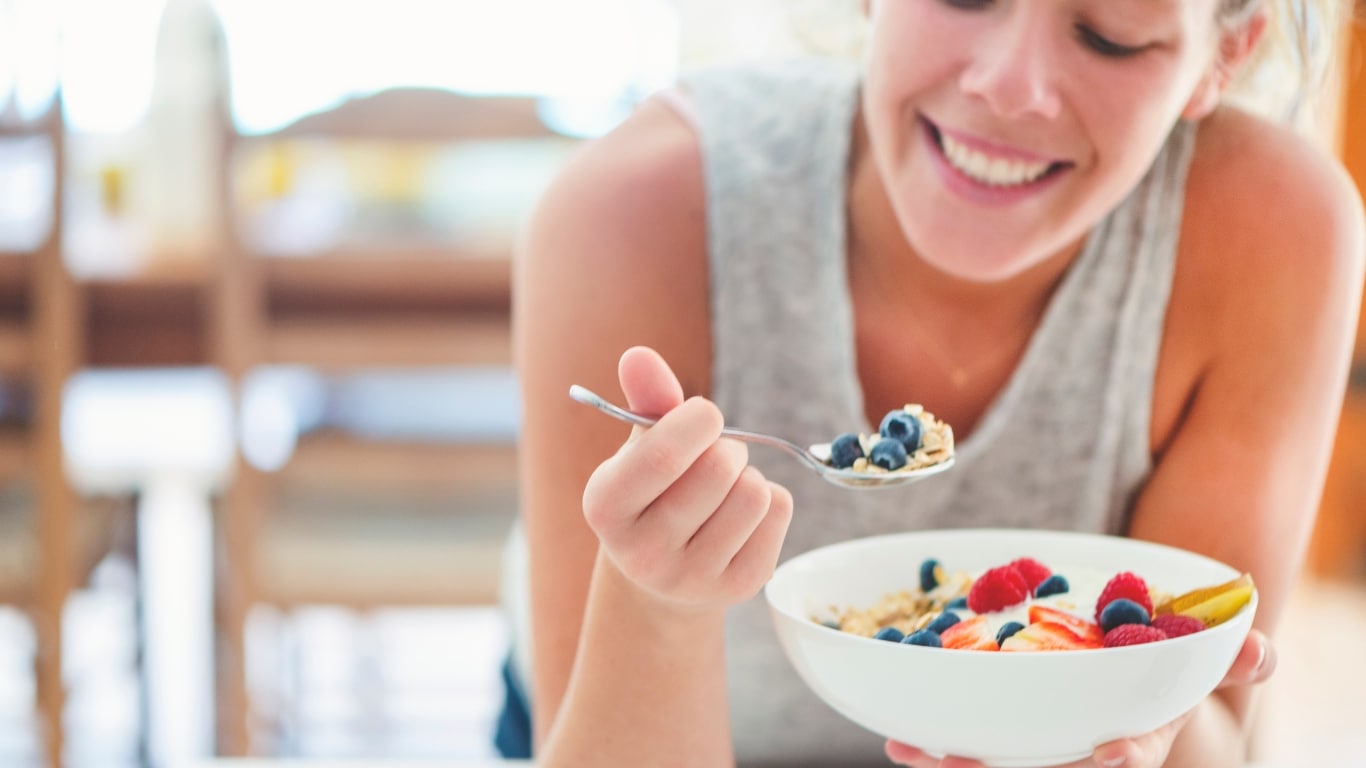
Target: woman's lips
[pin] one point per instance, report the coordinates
(982, 192)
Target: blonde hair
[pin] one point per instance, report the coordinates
(1294, 60)
(1292, 63)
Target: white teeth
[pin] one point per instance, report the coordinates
(996, 171)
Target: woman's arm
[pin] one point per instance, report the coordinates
(615, 257)
(1268, 288)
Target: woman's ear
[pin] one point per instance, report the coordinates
(1235, 46)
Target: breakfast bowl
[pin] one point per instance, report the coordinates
(1006, 709)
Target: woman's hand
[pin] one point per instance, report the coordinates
(1254, 664)
(678, 510)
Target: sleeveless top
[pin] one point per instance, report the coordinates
(1064, 445)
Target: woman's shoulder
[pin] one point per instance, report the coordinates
(1266, 188)
(641, 179)
(1267, 207)
(617, 244)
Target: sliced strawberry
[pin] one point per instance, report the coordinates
(1127, 585)
(1033, 571)
(997, 589)
(972, 634)
(1047, 636)
(1088, 631)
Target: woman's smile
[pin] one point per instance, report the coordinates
(986, 173)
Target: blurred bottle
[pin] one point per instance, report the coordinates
(179, 187)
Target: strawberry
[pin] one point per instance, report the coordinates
(1047, 636)
(1133, 634)
(1176, 625)
(997, 589)
(1033, 571)
(1127, 585)
(972, 634)
(1081, 627)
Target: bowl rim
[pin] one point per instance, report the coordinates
(1247, 612)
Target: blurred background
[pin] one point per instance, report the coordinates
(258, 425)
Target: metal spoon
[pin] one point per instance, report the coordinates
(814, 458)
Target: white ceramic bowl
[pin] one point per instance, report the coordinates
(1010, 710)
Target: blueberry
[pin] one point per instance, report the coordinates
(957, 604)
(889, 633)
(930, 575)
(923, 637)
(845, 450)
(942, 622)
(903, 427)
(888, 454)
(1008, 629)
(1053, 585)
(1123, 611)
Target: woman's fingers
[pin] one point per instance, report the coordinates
(751, 567)
(1147, 751)
(649, 464)
(905, 754)
(648, 382)
(1256, 661)
(678, 508)
(678, 513)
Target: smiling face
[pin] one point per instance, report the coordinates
(1004, 130)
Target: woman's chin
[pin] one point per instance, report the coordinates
(979, 262)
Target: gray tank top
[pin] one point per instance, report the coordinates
(1064, 445)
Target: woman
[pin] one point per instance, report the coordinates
(1134, 305)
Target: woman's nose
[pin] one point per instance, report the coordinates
(1013, 72)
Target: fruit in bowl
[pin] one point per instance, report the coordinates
(945, 695)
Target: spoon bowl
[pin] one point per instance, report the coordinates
(814, 458)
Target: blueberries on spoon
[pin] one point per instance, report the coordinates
(845, 451)
(903, 427)
(888, 453)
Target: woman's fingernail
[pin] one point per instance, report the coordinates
(1114, 762)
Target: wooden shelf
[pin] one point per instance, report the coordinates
(413, 278)
(419, 115)
(15, 351)
(381, 343)
(16, 456)
(341, 461)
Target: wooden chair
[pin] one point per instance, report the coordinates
(306, 534)
(48, 552)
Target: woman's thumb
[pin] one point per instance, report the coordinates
(648, 383)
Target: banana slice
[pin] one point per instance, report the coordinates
(1212, 605)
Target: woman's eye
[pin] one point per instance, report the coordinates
(967, 4)
(1093, 40)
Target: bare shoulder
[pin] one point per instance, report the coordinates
(1265, 207)
(1269, 272)
(618, 240)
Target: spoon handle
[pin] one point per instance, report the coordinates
(590, 398)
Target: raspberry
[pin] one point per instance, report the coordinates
(1126, 585)
(1177, 625)
(1032, 570)
(997, 589)
(1133, 634)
